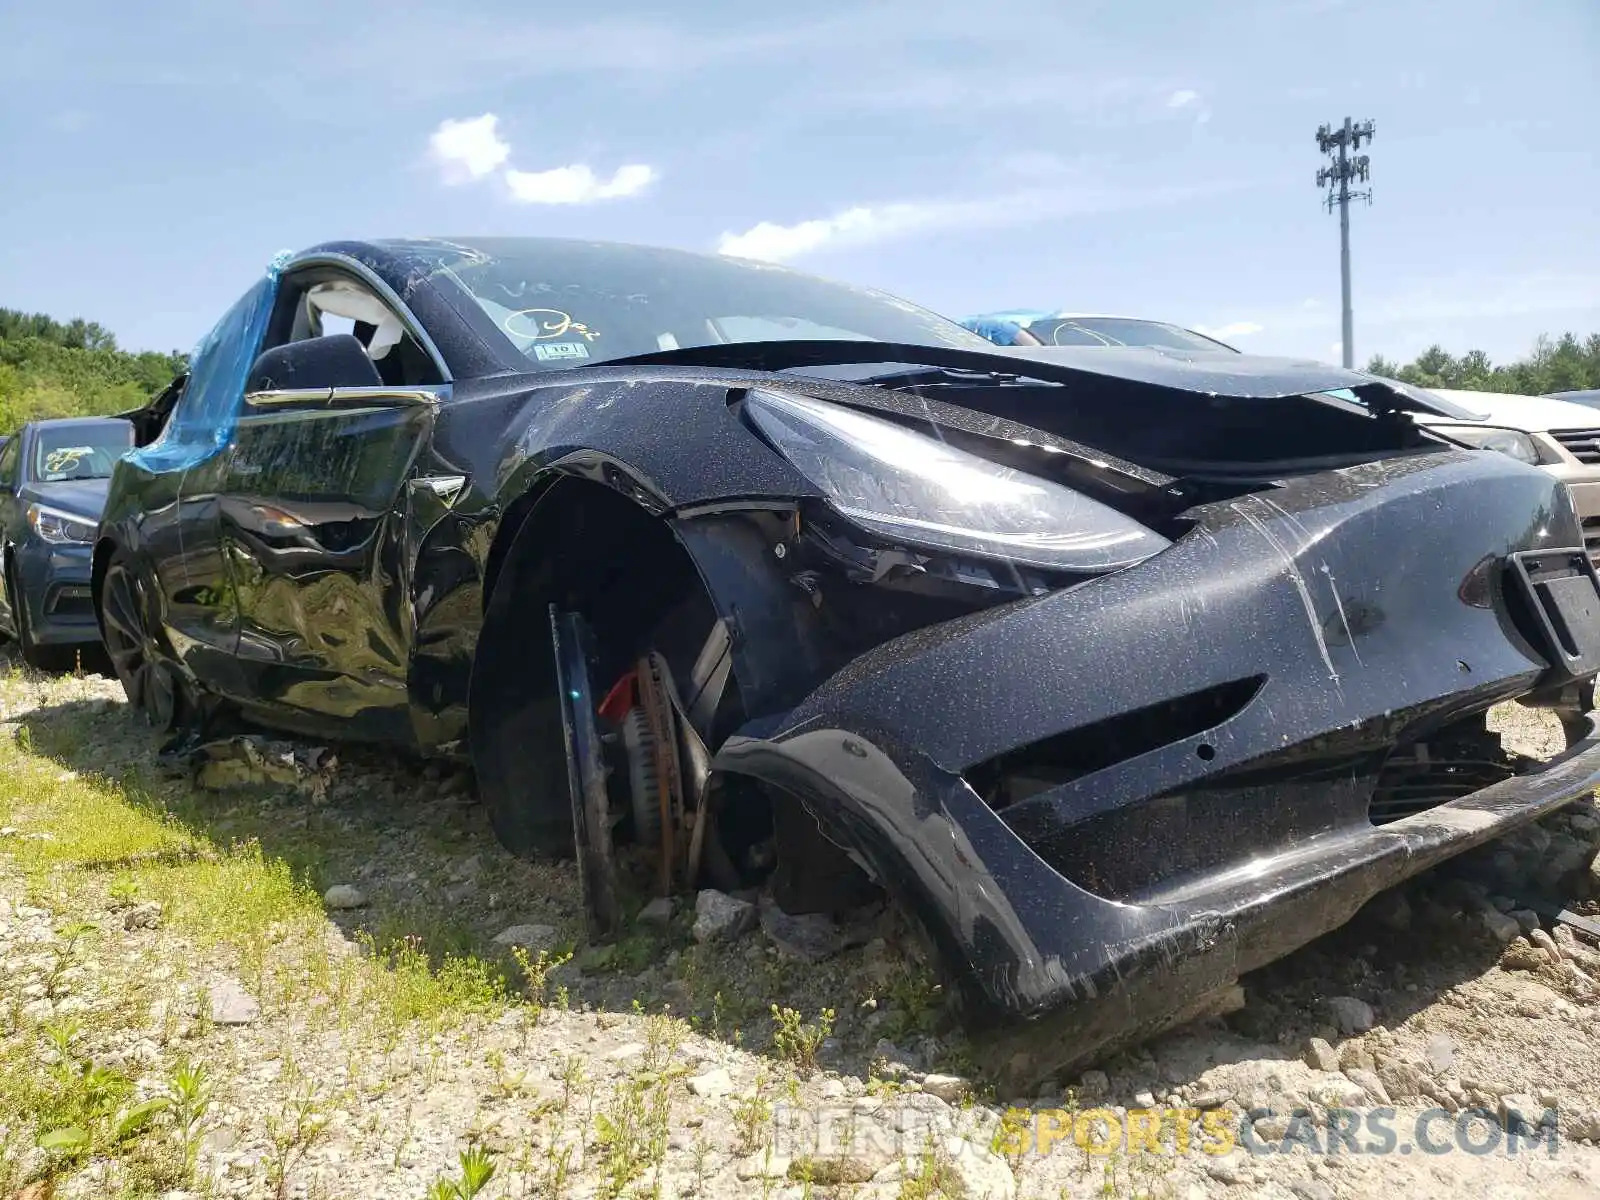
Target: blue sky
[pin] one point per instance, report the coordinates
(1152, 158)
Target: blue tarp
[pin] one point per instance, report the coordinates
(1001, 332)
(203, 420)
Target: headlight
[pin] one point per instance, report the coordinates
(1508, 441)
(53, 525)
(916, 489)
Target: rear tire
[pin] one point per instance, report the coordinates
(129, 628)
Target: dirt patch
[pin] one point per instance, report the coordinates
(369, 1005)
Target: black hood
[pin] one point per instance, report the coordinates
(80, 497)
(1237, 376)
(1242, 376)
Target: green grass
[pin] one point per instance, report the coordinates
(100, 835)
(86, 848)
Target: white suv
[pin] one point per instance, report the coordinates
(1558, 435)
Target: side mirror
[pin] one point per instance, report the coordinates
(335, 361)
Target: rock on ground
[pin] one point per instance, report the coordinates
(344, 896)
(719, 917)
(529, 937)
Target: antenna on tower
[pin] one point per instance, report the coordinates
(1346, 167)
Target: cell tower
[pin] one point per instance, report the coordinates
(1346, 167)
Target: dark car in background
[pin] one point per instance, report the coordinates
(53, 479)
(1120, 673)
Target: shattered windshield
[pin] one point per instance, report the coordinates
(80, 451)
(571, 303)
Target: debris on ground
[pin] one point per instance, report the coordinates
(1417, 1009)
(253, 760)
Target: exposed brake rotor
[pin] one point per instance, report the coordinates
(658, 743)
(644, 777)
(658, 703)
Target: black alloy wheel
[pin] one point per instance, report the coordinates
(128, 628)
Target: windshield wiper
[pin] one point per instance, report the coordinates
(786, 355)
(952, 377)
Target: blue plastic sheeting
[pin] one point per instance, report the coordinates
(1003, 333)
(1019, 316)
(203, 420)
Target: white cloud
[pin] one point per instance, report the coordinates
(472, 149)
(1189, 100)
(863, 224)
(578, 184)
(777, 243)
(1234, 329)
(468, 149)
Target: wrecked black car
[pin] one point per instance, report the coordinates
(1121, 676)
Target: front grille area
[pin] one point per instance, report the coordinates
(70, 601)
(1591, 538)
(1421, 775)
(1582, 444)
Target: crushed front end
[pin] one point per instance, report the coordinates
(1104, 795)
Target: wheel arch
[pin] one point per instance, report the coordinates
(104, 548)
(584, 545)
(644, 579)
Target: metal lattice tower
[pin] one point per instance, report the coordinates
(1346, 167)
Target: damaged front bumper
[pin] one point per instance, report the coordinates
(1046, 967)
(1106, 803)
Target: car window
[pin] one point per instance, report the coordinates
(565, 304)
(10, 455)
(326, 307)
(1121, 331)
(1066, 333)
(79, 451)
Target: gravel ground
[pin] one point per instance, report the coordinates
(1441, 1014)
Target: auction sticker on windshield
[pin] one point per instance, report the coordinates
(549, 351)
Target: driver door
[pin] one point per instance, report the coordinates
(312, 511)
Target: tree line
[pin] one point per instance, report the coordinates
(1562, 364)
(51, 368)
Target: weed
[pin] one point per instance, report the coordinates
(637, 949)
(914, 997)
(933, 1178)
(293, 1130)
(572, 1079)
(477, 1169)
(188, 1098)
(79, 1098)
(880, 1087)
(507, 1083)
(632, 1132)
(702, 1160)
(751, 1114)
(1012, 1137)
(124, 891)
(411, 989)
(65, 956)
(535, 973)
(797, 1043)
